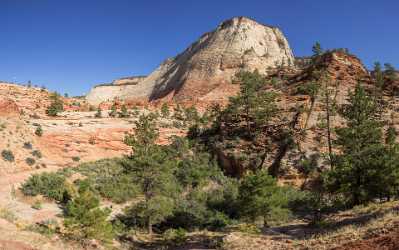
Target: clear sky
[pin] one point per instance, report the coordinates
(70, 45)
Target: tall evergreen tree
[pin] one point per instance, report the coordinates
(257, 107)
(153, 171)
(360, 142)
(317, 50)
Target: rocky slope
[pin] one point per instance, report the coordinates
(204, 71)
(297, 131)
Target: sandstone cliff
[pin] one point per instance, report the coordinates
(205, 69)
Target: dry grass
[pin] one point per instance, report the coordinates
(359, 223)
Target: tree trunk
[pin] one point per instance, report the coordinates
(329, 129)
(149, 226)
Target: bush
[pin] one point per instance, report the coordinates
(8, 155)
(76, 158)
(37, 154)
(56, 105)
(110, 180)
(175, 236)
(39, 131)
(27, 145)
(51, 185)
(30, 161)
(85, 220)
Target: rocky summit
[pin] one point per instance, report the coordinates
(204, 71)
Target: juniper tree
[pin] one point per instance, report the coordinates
(56, 105)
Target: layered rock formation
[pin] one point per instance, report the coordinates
(204, 71)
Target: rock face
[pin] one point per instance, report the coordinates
(133, 80)
(204, 71)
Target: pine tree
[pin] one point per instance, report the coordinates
(317, 50)
(389, 177)
(84, 219)
(257, 107)
(152, 170)
(259, 195)
(360, 162)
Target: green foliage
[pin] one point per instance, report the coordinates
(165, 113)
(151, 211)
(113, 111)
(146, 134)
(178, 113)
(37, 205)
(85, 220)
(311, 89)
(152, 170)
(255, 106)
(8, 155)
(110, 180)
(124, 113)
(51, 185)
(37, 154)
(39, 131)
(98, 113)
(76, 158)
(362, 167)
(30, 161)
(175, 236)
(317, 50)
(56, 105)
(47, 227)
(260, 197)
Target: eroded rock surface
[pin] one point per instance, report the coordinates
(204, 71)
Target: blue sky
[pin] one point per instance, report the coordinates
(70, 45)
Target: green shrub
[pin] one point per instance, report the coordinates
(39, 131)
(8, 155)
(85, 220)
(30, 161)
(37, 154)
(110, 180)
(56, 105)
(175, 236)
(76, 158)
(51, 185)
(47, 227)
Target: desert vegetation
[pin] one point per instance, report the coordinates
(171, 191)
